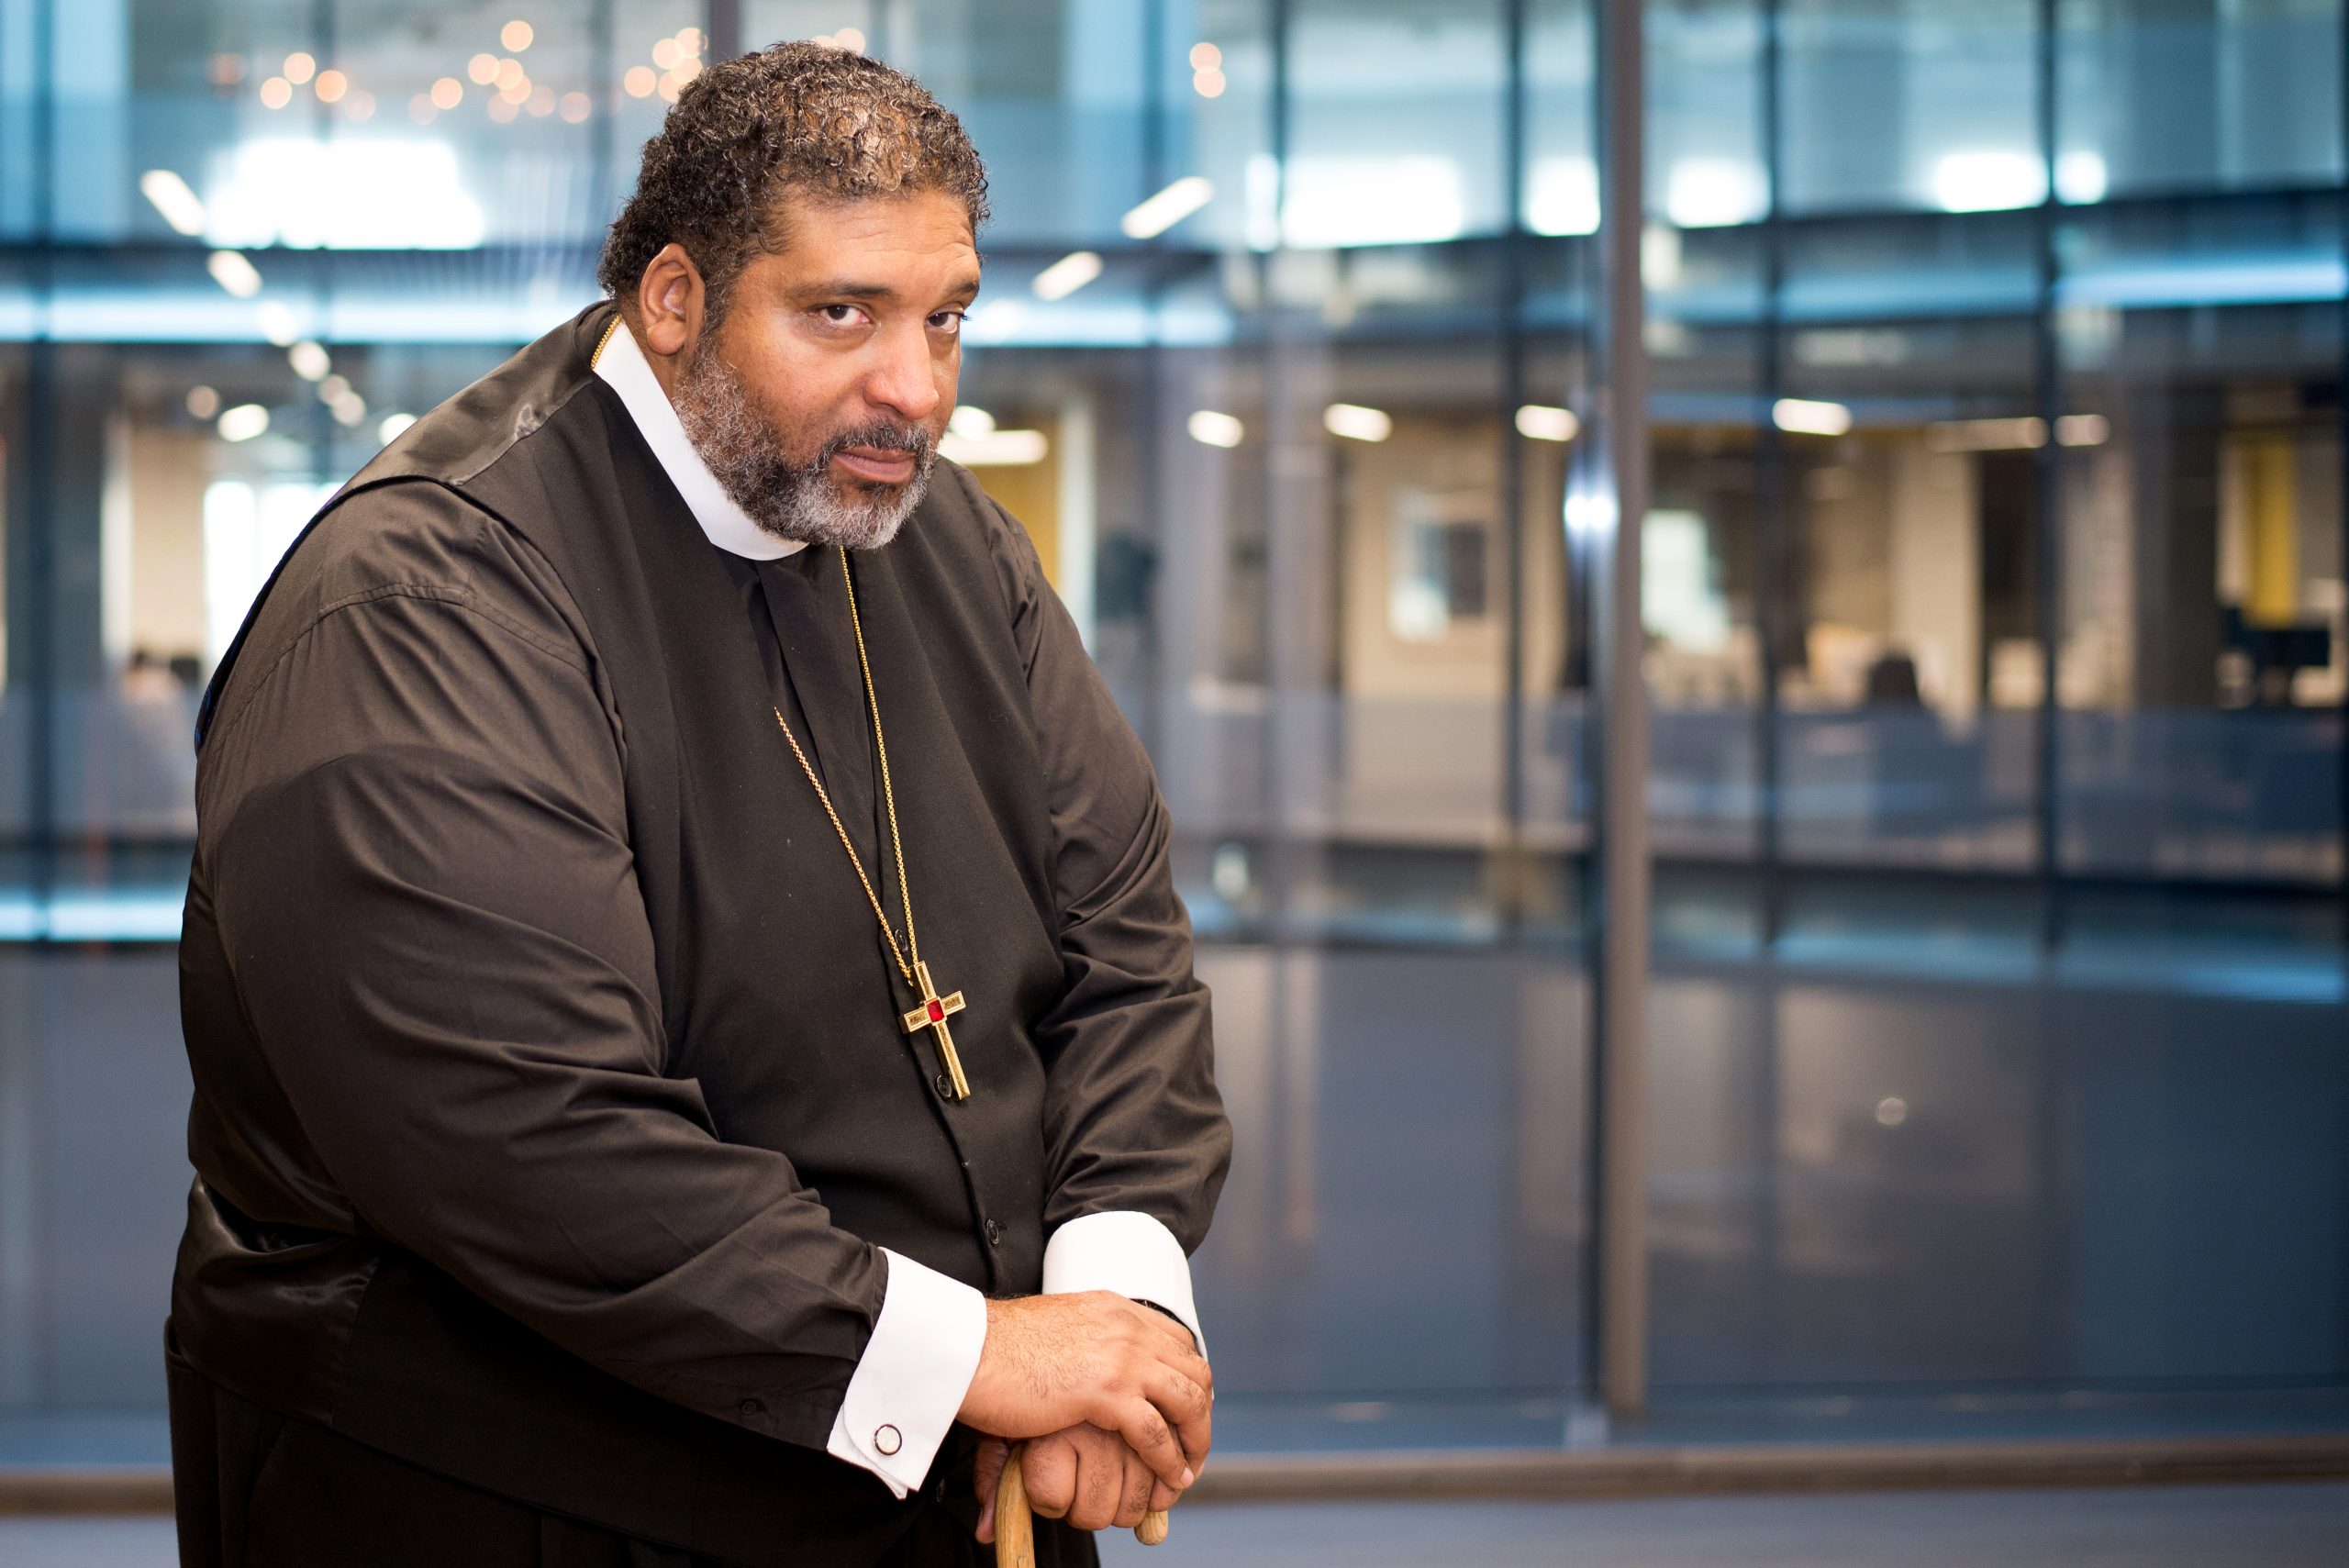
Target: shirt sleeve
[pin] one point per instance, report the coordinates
(415, 840)
(1129, 1254)
(1132, 1119)
(913, 1374)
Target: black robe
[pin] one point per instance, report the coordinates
(551, 1104)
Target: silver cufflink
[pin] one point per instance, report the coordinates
(888, 1441)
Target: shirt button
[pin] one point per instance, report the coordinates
(995, 1234)
(944, 1085)
(750, 1408)
(888, 1441)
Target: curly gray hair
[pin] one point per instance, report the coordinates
(797, 118)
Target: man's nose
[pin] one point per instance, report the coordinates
(904, 381)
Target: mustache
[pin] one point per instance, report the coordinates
(880, 435)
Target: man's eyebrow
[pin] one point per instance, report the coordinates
(850, 288)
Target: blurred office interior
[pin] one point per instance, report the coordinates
(1996, 1037)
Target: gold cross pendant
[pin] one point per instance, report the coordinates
(932, 1015)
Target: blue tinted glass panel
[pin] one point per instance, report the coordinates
(1398, 128)
(2195, 97)
(1705, 162)
(1890, 105)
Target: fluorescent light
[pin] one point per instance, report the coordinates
(972, 421)
(278, 324)
(998, 449)
(1804, 418)
(243, 422)
(309, 360)
(348, 409)
(394, 427)
(1539, 422)
(2083, 430)
(1357, 423)
(2081, 177)
(1711, 192)
(1989, 181)
(203, 401)
(1210, 428)
(232, 271)
(1067, 275)
(346, 194)
(1562, 196)
(1333, 202)
(2023, 434)
(1168, 208)
(180, 207)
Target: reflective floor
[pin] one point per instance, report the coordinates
(2187, 1527)
(2282, 1526)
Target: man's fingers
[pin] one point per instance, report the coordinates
(1101, 1480)
(985, 1473)
(1193, 1365)
(1188, 1409)
(1140, 1489)
(1048, 1466)
(1152, 1441)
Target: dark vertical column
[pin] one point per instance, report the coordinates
(1153, 98)
(24, 1318)
(1621, 703)
(1152, 414)
(2047, 475)
(2342, 401)
(1515, 881)
(1771, 521)
(2055, 1212)
(1280, 632)
(322, 426)
(32, 582)
(603, 74)
(723, 22)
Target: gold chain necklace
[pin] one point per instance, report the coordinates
(935, 1009)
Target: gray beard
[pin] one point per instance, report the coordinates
(798, 501)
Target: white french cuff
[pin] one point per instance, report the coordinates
(912, 1377)
(1127, 1253)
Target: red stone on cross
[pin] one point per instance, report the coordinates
(931, 1014)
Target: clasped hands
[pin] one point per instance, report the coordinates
(1113, 1398)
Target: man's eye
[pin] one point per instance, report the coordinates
(840, 315)
(950, 320)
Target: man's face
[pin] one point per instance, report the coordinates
(818, 400)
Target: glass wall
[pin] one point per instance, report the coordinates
(1993, 594)
(1997, 651)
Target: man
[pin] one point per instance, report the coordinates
(681, 951)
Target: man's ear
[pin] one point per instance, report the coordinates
(669, 301)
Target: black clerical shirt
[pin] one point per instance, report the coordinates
(424, 992)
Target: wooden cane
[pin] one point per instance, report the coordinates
(1015, 1525)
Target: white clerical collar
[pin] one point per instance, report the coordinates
(623, 366)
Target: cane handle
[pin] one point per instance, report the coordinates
(1014, 1526)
